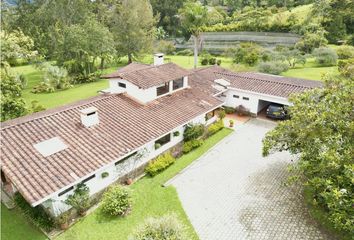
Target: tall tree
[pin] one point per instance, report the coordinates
(167, 11)
(133, 27)
(193, 17)
(321, 133)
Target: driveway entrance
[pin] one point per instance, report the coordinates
(233, 193)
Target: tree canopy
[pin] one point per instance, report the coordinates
(321, 133)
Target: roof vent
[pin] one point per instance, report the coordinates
(158, 59)
(89, 116)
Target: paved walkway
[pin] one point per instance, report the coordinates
(232, 192)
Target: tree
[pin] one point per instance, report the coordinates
(16, 45)
(167, 11)
(193, 17)
(321, 133)
(325, 56)
(80, 200)
(12, 103)
(247, 53)
(133, 28)
(293, 57)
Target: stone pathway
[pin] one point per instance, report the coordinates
(232, 192)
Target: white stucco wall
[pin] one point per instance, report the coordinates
(142, 95)
(56, 203)
(253, 103)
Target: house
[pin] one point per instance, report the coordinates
(99, 140)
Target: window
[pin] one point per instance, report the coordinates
(246, 98)
(162, 141)
(122, 85)
(236, 96)
(50, 146)
(177, 84)
(126, 158)
(162, 89)
(66, 191)
(89, 178)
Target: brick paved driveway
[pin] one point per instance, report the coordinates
(233, 193)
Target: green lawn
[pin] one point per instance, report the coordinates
(150, 199)
(15, 227)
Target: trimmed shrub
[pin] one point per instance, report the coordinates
(80, 200)
(325, 56)
(273, 67)
(92, 77)
(185, 52)
(176, 133)
(215, 127)
(43, 87)
(192, 144)
(104, 174)
(204, 61)
(37, 214)
(116, 201)
(167, 227)
(160, 163)
(218, 62)
(212, 61)
(229, 110)
(222, 114)
(193, 131)
(345, 52)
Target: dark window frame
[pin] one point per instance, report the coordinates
(162, 140)
(66, 191)
(161, 90)
(126, 158)
(89, 178)
(246, 98)
(122, 85)
(235, 96)
(177, 84)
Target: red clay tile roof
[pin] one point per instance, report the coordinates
(124, 126)
(254, 82)
(146, 76)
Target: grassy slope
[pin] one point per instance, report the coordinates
(301, 12)
(150, 199)
(15, 226)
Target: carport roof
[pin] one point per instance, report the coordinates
(257, 82)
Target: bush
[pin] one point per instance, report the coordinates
(325, 56)
(104, 174)
(166, 47)
(310, 41)
(176, 133)
(160, 163)
(229, 110)
(37, 214)
(116, 201)
(212, 61)
(204, 61)
(346, 68)
(193, 131)
(345, 52)
(167, 227)
(215, 127)
(92, 77)
(222, 114)
(80, 200)
(43, 87)
(273, 67)
(218, 62)
(247, 53)
(185, 52)
(192, 144)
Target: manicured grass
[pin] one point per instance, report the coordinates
(322, 217)
(310, 71)
(15, 226)
(59, 98)
(150, 199)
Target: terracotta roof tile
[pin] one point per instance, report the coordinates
(146, 76)
(124, 126)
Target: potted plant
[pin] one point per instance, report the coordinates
(129, 181)
(63, 220)
(80, 200)
(231, 123)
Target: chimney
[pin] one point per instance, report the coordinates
(89, 116)
(158, 59)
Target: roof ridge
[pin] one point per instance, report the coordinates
(265, 80)
(53, 111)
